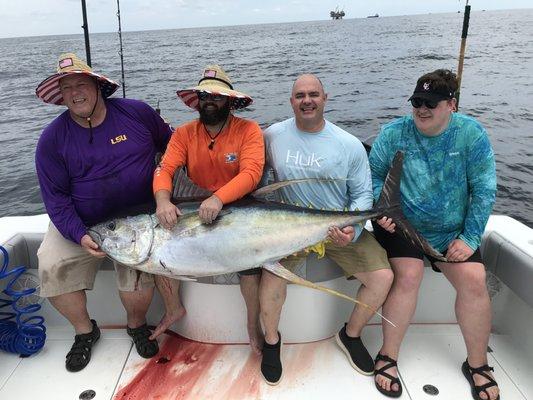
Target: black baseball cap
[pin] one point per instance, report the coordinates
(428, 90)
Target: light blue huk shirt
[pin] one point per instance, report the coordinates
(332, 154)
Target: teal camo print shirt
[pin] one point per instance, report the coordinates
(448, 184)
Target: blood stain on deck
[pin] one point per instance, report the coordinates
(173, 372)
(181, 364)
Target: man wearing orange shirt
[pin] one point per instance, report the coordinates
(222, 153)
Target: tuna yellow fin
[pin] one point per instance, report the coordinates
(319, 248)
(279, 270)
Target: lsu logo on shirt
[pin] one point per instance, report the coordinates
(118, 139)
(230, 158)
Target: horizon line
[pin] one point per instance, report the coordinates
(248, 24)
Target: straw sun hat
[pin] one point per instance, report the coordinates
(70, 64)
(214, 80)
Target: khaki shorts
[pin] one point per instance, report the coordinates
(65, 267)
(365, 255)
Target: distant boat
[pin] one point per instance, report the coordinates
(373, 16)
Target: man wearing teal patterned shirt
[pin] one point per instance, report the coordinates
(448, 189)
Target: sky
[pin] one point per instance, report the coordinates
(56, 17)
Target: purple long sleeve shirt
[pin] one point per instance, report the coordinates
(82, 183)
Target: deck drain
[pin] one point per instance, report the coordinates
(87, 395)
(430, 389)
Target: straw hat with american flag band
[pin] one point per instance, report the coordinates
(69, 64)
(215, 81)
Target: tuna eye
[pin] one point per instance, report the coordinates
(111, 226)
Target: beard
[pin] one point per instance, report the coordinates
(214, 116)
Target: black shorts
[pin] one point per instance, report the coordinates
(397, 246)
(251, 271)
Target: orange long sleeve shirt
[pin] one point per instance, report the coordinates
(231, 169)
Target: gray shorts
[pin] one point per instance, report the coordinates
(65, 267)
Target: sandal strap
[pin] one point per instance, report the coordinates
(82, 344)
(82, 349)
(140, 332)
(79, 348)
(391, 362)
(487, 385)
(141, 338)
(482, 371)
(478, 370)
(393, 379)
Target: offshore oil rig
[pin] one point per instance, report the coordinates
(337, 14)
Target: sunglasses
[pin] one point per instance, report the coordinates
(431, 104)
(203, 96)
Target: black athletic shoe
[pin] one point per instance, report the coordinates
(271, 368)
(80, 353)
(356, 352)
(145, 347)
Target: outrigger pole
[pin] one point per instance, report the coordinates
(466, 20)
(86, 33)
(120, 51)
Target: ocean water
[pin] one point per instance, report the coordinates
(368, 66)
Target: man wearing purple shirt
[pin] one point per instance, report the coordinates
(94, 160)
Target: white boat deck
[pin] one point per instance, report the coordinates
(183, 369)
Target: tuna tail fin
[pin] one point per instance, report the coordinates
(389, 202)
(279, 270)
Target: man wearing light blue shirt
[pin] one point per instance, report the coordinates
(308, 146)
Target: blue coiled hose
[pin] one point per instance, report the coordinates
(19, 333)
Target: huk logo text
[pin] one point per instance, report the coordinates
(302, 160)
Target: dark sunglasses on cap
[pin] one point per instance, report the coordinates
(418, 102)
(203, 96)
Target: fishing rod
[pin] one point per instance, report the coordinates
(464, 34)
(85, 27)
(121, 53)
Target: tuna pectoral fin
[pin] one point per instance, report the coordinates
(263, 191)
(184, 278)
(177, 277)
(191, 221)
(279, 270)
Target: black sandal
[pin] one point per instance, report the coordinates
(80, 353)
(145, 347)
(469, 372)
(393, 380)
